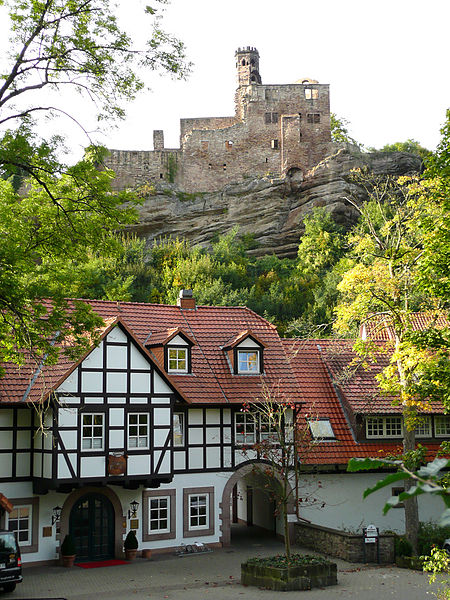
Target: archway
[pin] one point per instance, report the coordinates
(241, 476)
(102, 510)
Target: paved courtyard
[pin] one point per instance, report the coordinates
(212, 576)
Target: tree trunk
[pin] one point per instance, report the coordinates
(287, 541)
(411, 506)
(409, 443)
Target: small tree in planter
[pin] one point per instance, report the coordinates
(283, 442)
(68, 551)
(131, 545)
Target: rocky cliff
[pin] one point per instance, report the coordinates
(271, 209)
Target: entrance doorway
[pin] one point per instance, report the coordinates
(92, 527)
(246, 508)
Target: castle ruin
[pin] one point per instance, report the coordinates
(276, 130)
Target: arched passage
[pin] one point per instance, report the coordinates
(244, 470)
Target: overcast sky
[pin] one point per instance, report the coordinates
(387, 63)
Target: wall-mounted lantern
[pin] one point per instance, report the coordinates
(56, 514)
(132, 513)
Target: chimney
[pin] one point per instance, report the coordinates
(186, 300)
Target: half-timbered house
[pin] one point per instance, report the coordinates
(146, 432)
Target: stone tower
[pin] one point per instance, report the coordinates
(247, 65)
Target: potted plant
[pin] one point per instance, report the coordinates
(131, 545)
(68, 551)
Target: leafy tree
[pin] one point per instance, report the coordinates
(410, 146)
(382, 287)
(339, 130)
(54, 217)
(79, 45)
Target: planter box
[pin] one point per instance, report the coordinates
(409, 562)
(291, 578)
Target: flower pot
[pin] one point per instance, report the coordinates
(68, 561)
(147, 553)
(130, 554)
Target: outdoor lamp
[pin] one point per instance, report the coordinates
(56, 514)
(133, 509)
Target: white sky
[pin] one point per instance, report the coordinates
(387, 63)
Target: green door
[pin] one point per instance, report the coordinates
(92, 527)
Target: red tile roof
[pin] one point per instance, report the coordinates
(328, 396)
(159, 338)
(379, 327)
(211, 380)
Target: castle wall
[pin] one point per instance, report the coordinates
(276, 128)
(135, 168)
(188, 125)
(281, 128)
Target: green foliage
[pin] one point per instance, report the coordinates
(55, 220)
(438, 562)
(402, 547)
(46, 235)
(410, 146)
(281, 561)
(431, 534)
(68, 546)
(172, 168)
(131, 542)
(427, 480)
(81, 45)
(339, 130)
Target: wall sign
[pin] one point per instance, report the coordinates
(117, 464)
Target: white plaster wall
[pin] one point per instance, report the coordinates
(47, 546)
(346, 509)
(180, 482)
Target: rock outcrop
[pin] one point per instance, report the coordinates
(272, 210)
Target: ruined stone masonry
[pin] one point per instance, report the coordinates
(276, 130)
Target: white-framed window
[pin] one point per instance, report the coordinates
(248, 361)
(387, 427)
(321, 429)
(267, 430)
(442, 425)
(92, 431)
(138, 430)
(198, 511)
(177, 360)
(394, 426)
(159, 515)
(423, 428)
(245, 428)
(178, 429)
(20, 521)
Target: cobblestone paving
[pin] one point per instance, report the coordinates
(213, 576)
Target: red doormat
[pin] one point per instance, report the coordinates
(102, 563)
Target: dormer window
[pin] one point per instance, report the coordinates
(177, 360)
(248, 361)
(245, 354)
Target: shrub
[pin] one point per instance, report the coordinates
(131, 542)
(295, 560)
(68, 546)
(431, 535)
(403, 547)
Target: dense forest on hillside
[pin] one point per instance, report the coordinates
(293, 294)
